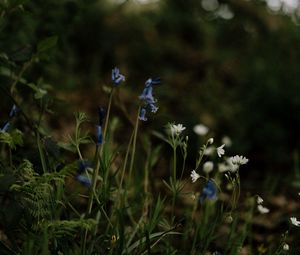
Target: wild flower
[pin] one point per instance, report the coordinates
(13, 112)
(82, 166)
(295, 222)
(227, 165)
(209, 150)
(201, 129)
(195, 176)
(208, 166)
(239, 160)
(220, 150)
(210, 141)
(116, 77)
(262, 209)
(227, 141)
(86, 181)
(285, 247)
(259, 200)
(5, 127)
(99, 135)
(147, 98)
(222, 167)
(176, 130)
(142, 115)
(209, 191)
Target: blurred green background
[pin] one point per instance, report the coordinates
(232, 65)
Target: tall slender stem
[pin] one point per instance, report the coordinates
(134, 142)
(107, 118)
(174, 164)
(42, 156)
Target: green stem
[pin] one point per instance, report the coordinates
(125, 161)
(94, 182)
(10, 157)
(174, 164)
(134, 142)
(107, 118)
(42, 156)
(13, 85)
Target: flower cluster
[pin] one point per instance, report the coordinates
(147, 98)
(176, 130)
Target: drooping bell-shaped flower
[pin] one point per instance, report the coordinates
(116, 77)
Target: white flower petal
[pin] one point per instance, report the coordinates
(176, 129)
(194, 176)
(208, 167)
(262, 209)
(220, 150)
(294, 221)
(259, 200)
(201, 129)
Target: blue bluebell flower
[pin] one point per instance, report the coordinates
(209, 191)
(147, 98)
(116, 77)
(5, 127)
(13, 112)
(147, 95)
(84, 180)
(151, 82)
(142, 115)
(99, 135)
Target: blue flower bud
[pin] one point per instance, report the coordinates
(142, 114)
(99, 135)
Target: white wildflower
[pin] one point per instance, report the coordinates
(194, 176)
(227, 141)
(208, 167)
(222, 167)
(239, 160)
(210, 141)
(220, 150)
(262, 209)
(230, 166)
(209, 150)
(259, 200)
(295, 222)
(201, 129)
(176, 129)
(286, 247)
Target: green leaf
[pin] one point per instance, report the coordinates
(47, 44)
(158, 235)
(39, 92)
(13, 138)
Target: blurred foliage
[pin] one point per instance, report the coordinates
(234, 67)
